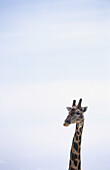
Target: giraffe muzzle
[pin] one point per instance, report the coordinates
(67, 123)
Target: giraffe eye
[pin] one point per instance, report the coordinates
(78, 113)
(73, 109)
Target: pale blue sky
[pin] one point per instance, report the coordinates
(38, 36)
(50, 53)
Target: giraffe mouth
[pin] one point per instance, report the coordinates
(65, 124)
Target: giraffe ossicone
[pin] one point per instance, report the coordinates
(76, 115)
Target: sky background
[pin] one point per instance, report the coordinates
(52, 52)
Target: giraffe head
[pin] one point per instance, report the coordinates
(76, 113)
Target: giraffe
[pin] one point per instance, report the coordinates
(75, 116)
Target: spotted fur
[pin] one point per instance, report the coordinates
(76, 116)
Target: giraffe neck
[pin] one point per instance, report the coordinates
(75, 161)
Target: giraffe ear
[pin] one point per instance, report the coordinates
(84, 109)
(68, 108)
